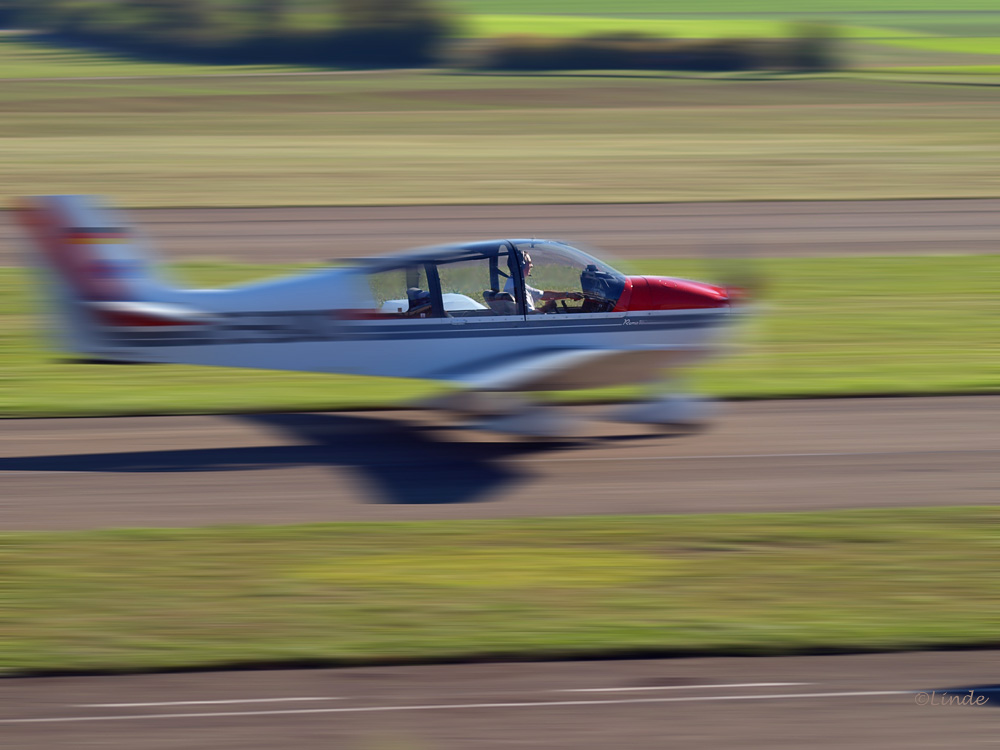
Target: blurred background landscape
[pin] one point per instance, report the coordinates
(178, 108)
(268, 104)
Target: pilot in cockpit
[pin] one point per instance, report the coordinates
(531, 294)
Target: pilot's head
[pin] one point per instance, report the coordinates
(526, 264)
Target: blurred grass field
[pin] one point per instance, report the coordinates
(714, 7)
(426, 138)
(848, 326)
(134, 600)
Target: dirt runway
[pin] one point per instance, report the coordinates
(632, 231)
(295, 468)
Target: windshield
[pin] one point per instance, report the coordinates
(578, 281)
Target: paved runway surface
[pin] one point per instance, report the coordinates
(886, 701)
(291, 468)
(649, 230)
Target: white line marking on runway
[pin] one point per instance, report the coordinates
(202, 703)
(456, 707)
(680, 687)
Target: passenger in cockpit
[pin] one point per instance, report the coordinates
(419, 303)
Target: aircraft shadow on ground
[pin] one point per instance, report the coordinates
(402, 462)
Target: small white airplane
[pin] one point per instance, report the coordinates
(491, 317)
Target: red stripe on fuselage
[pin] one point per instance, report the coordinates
(127, 319)
(96, 236)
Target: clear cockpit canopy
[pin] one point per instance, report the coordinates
(560, 267)
(489, 278)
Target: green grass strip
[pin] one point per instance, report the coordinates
(134, 600)
(827, 326)
(967, 45)
(572, 26)
(709, 8)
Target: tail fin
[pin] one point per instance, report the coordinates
(97, 276)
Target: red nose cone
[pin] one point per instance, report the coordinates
(663, 293)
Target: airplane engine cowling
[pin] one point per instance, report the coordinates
(664, 293)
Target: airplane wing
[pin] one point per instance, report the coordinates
(568, 369)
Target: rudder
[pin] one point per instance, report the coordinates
(96, 275)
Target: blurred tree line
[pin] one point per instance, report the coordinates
(322, 32)
(809, 48)
(384, 33)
